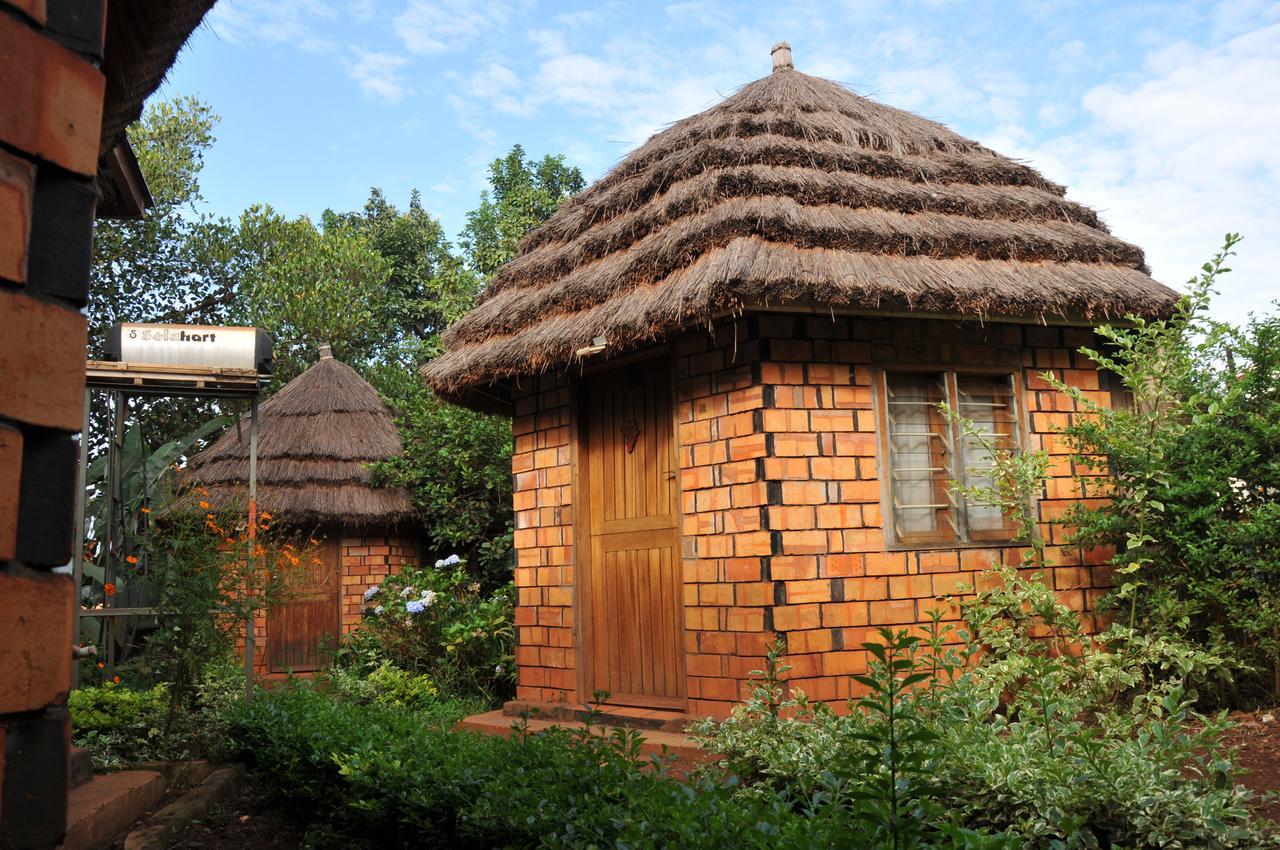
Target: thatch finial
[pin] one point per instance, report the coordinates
(326, 351)
(781, 54)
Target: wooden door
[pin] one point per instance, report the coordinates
(303, 627)
(632, 641)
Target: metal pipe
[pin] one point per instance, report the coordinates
(77, 556)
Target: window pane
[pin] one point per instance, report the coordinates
(988, 402)
(918, 457)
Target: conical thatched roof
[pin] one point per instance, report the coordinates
(316, 439)
(793, 191)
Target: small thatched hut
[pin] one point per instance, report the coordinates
(724, 360)
(317, 437)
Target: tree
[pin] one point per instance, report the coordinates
(175, 264)
(1192, 478)
(523, 193)
(457, 464)
(309, 286)
(429, 286)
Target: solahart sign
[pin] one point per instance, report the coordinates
(207, 346)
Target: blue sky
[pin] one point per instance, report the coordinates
(1165, 116)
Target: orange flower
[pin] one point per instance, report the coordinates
(132, 559)
(101, 666)
(109, 589)
(145, 510)
(116, 680)
(204, 506)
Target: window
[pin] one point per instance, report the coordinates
(926, 453)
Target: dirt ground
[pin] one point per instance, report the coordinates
(1257, 742)
(243, 821)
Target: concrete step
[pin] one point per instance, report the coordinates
(654, 719)
(677, 744)
(104, 807)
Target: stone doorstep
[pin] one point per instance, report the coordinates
(103, 808)
(644, 719)
(653, 742)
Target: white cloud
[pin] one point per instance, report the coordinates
(1182, 153)
(379, 75)
(277, 22)
(441, 26)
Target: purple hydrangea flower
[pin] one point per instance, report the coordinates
(414, 606)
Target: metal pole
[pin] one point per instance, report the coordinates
(115, 514)
(77, 556)
(253, 545)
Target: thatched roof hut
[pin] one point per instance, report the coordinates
(317, 437)
(794, 191)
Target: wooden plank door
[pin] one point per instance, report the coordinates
(303, 627)
(632, 642)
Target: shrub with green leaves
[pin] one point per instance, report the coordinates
(1192, 466)
(378, 777)
(1089, 743)
(121, 725)
(436, 621)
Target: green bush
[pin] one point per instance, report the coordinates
(436, 622)
(1031, 729)
(385, 778)
(1193, 480)
(121, 726)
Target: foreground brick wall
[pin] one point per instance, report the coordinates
(50, 120)
(783, 536)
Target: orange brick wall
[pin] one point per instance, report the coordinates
(543, 478)
(783, 535)
(366, 559)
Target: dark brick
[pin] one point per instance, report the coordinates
(60, 252)
(77, 25)
(37, 776)
(46, 501)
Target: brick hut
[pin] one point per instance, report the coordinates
(317, 437)
(723, 362)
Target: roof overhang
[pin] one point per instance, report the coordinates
(122, 188)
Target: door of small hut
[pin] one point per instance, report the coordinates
(632, 641)
(303, 627)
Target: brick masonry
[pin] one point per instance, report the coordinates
(781, 494)
(50, 122)
(367, 557)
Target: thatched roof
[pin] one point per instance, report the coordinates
(316, 439)
(793, 191)
(142, 41)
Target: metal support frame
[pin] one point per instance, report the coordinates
(122, 381)
(251, 616)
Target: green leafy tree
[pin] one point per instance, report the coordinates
(175, 264)
(523, 193)
(428, 285)
(457, 463)
(309, 286)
